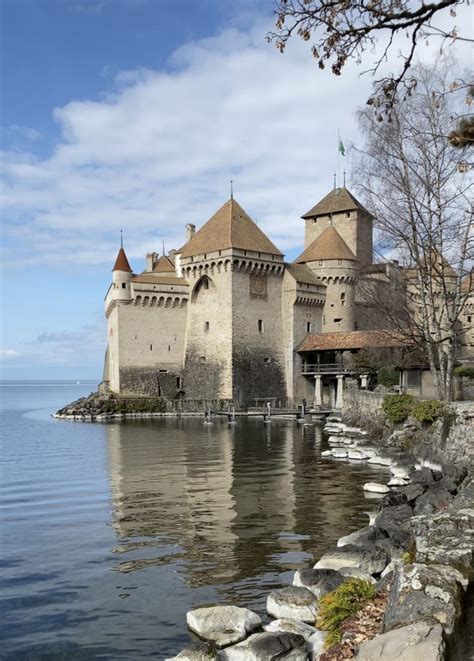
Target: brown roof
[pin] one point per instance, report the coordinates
(230, 227)
(352, 340)
(159, 279)
(302, 273)
(164, 265)
(328, 245)
(121, 263)
(339, 199)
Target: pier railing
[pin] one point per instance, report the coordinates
(326, 368)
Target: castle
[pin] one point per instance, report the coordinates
(226, 318)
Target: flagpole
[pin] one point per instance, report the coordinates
(338, 159)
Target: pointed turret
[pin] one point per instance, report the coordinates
(121, 263)
(122, 276)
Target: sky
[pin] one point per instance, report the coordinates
(135, 115)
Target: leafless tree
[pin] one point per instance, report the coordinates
(339, 30)
(413, 181)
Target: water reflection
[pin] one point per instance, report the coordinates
(228, 505)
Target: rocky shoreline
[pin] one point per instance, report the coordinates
(417, 550)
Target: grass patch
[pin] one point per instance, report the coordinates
(345, 601)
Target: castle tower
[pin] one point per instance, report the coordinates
(341, 210)
(234, 325)
(331, 260)
(122, 277)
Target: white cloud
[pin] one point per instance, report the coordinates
(8, 353)
(159, 152)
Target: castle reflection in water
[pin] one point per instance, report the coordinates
(226, 504)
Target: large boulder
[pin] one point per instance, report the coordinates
(371, 559)
(358, 538)
(198, 651)
(424, 592)
(421, 641)
(267, 647)
(223, 625)
(394, 522)
(296, 603)
(316, 644)
(432, 500)
(318, 581)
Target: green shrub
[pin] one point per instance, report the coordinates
(397, 408)
(464, 370)
(428, 410)
(388, 377)
(345, 601)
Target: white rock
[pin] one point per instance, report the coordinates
(380, 460)
(292, 603)
(375, 487)
(339, 454)
(415, 642)
(326, 453)
(398, 482)
(400, 471)
(316, 644)
(357, 454)
(223, 625)
(291, 626)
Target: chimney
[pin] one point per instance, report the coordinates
(190, 231)
(172, 255)
(150, 261)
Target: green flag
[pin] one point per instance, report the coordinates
(342, 151)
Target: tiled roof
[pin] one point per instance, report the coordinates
(328, 245)
(339, 199)
(352, 340)
(159, 279)
(164, 265)
(121, 263)
(302, 273)
(230, 227)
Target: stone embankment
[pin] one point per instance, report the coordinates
(106, 407)
(417, 550)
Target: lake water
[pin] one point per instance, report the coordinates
(110, 533)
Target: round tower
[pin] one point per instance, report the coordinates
(122, 277)
(332, 261)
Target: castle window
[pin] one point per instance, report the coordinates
(151, 347)
(320, 262)
(206, 326)
(343, 298)
(469, 319)
(348, 214)
(266, 361)
(163, 371)
(261, 327)
(355, 325)
(178, 382)
(169, 347)
(203, 359)
(339, 261)
(124, 285)
(308, 327)
(336, 321)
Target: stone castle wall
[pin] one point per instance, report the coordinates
(258, 361)
(208, 367)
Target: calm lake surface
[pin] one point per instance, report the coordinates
(111, 532)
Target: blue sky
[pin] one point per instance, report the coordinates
(136, 114)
